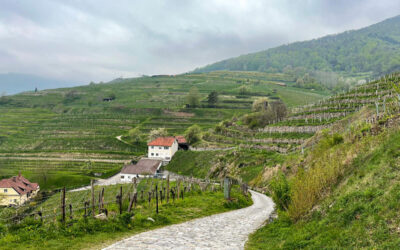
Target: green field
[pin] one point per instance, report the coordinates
(76, 123)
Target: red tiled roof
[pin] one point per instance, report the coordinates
(144, 166)
(162, 141)
(181, 139)
(20, 184)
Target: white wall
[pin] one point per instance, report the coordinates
(159, 152)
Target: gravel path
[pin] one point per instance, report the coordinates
(228, 230)
(115, 179)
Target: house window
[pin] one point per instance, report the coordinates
(152, 154)
(129, 177)
(159, 147)
(122, 176)
(15, 200)
(156, 154)
(5, 190)
(152, 147)
(166, 147)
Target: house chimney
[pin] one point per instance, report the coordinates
(19, 174)
(14, 178)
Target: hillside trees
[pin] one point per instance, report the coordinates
(212, 98)
(135, 135)
(265, 112)
(155, 133)
(193, 134)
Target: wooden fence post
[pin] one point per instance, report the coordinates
(168, 188)
(85, 205)
(63, 205)
(156, 198)
(178, 184)
(227, 190)
(149, 198)
(92, 190)
(131, 203)
(99, 202)
(120, 200)
(70, 211)
(135, 198)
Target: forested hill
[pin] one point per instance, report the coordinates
(374, 49)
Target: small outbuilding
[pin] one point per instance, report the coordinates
(144, 168)
(182, 143)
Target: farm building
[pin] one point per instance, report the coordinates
(182, 143)
(17, 190)
(162, 148)
(144, 168)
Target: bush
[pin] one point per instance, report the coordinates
(193, 134)
(337, 139)
(280, 191)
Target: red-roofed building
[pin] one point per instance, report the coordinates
(182, 143)
(17, 190)
(162, 148)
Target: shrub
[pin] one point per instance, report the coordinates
(280, 191)
(193, 134)
(337, 139)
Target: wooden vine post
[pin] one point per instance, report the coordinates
(178, 183)
(120, 200)
(227, 188)
(70, 211)
(156, 198)
(168, 188)
(92, 191)
(63, 205)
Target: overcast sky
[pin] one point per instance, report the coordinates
(101, 40)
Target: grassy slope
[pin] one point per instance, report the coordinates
(361, 211)
(83, 126)
(89, 233)
(243, 164)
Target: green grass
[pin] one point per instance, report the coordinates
(243, 164)
(77, 123)
(89, 233)
(192, 163)
(361, 211)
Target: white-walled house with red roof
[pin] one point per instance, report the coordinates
(162, 148)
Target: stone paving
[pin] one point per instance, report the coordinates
(228, 230)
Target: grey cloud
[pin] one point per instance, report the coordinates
(101, 40)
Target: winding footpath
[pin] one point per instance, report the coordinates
(228, 230)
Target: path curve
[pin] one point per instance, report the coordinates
(228, 230)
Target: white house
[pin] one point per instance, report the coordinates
(162, 148)
(144, 168)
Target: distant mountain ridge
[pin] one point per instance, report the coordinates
(374, 49)
(12, 83)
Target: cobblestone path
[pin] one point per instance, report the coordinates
(228, 230)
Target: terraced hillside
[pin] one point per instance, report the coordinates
(248, 149)
(71, 133)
